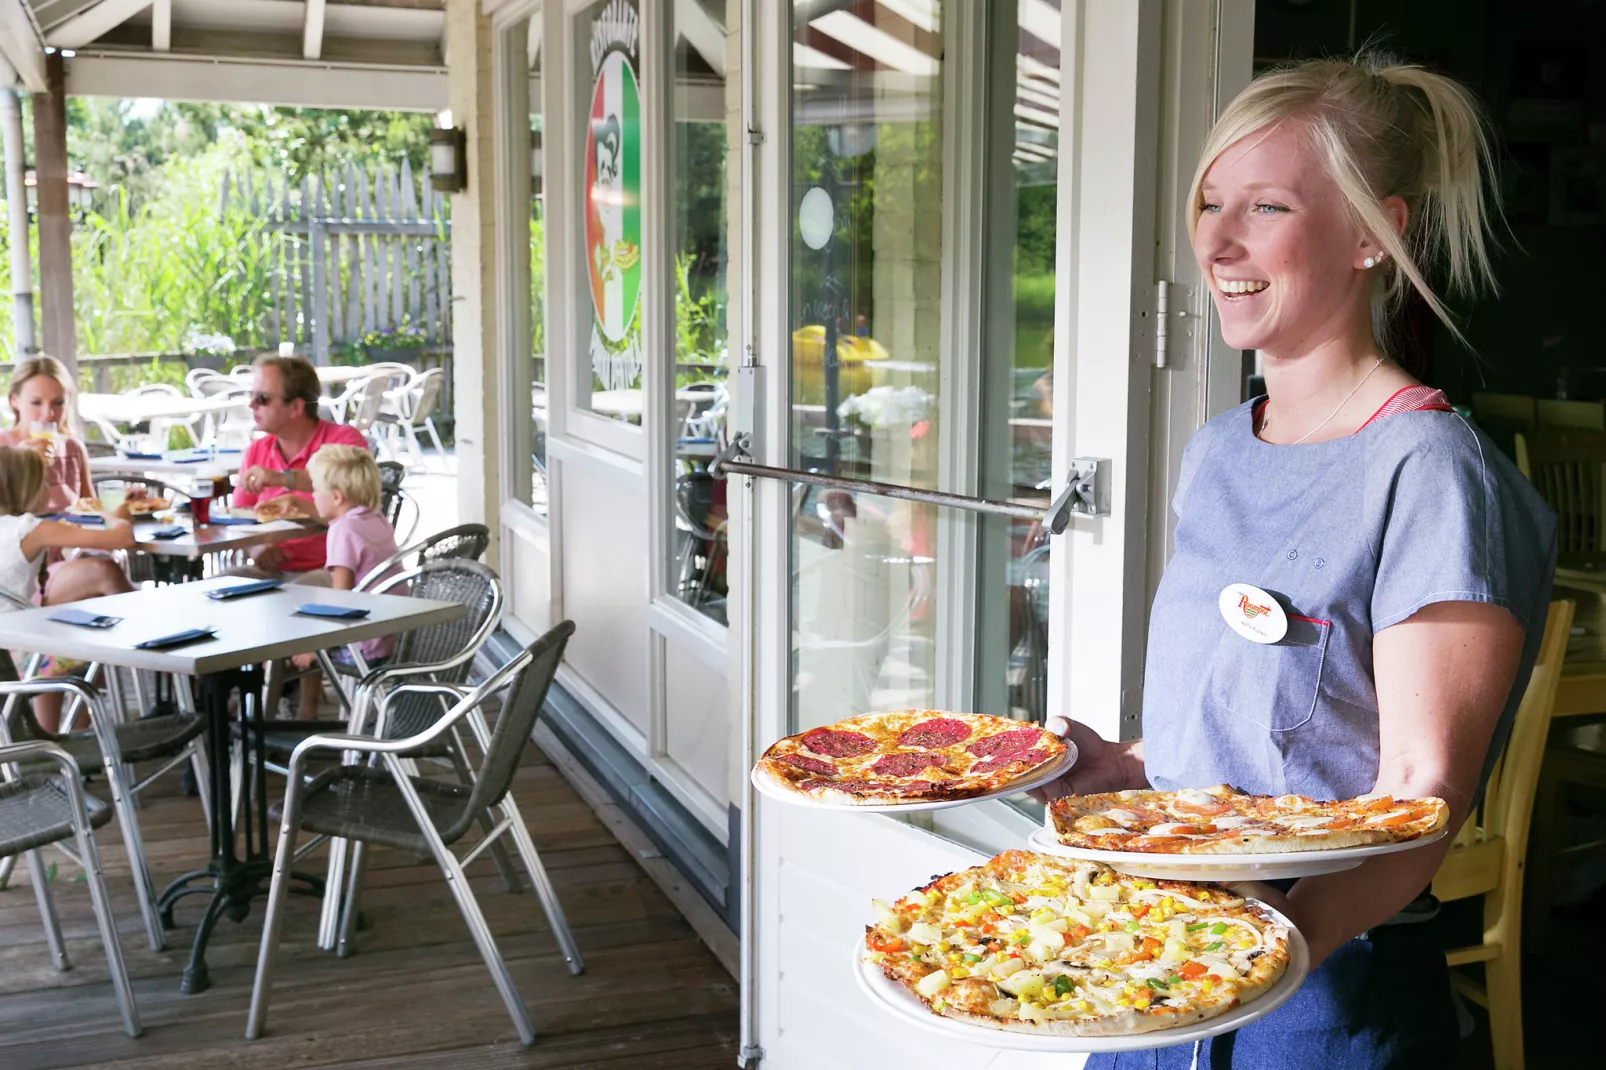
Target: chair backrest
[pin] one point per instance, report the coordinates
(166, 390)
(697, 506)
(1569, 470)
(425, 390)
(466, 542)
(1590, 415)
(468, 583)
(521, 706)
(242, 373)
(367, 397)
(1508, 798)
(156, 487)
(219, 386)
(196, 376)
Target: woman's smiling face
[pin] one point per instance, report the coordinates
(1277, 247)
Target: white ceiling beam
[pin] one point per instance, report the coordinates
(702, 33)
(312, 30)
(20, 45)
(162, 26)
(291, 83)
(107, 15)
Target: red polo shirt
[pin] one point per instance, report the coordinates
(300, 555)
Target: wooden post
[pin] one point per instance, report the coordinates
(59, 333)
(320, 292)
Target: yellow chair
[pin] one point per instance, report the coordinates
(1490, 853)
(1588, 415)
(1568, 468)
(1515, 410)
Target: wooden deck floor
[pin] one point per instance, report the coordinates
(416, 995)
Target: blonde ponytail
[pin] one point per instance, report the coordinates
(1386, 129)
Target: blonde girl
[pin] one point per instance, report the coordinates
(42, 392)
(24, 541)
(1412, 560)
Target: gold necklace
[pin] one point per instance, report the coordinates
(1265, 419)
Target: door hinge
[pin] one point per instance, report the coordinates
(1162, 322)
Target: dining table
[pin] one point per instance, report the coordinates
(240, 635)
(170, 466)
(142, 408)
(1581, 693)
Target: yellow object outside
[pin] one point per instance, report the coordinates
(855, 355)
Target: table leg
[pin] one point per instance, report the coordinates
(234, 880)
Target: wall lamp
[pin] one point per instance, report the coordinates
(448, 159)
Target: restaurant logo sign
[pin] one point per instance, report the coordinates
(613, 197)
(1252, 613)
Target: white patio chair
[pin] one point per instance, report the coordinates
(414, 407)
(161, 426)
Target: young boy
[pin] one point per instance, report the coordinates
(345, 491)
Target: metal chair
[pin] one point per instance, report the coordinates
(394, 502)
(383, 804)
(37, 810)
(109, 747)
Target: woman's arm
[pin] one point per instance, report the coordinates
(1443, 677)
(86, 489)
(342, 578)
(118, 534)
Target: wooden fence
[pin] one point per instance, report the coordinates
(353, 252)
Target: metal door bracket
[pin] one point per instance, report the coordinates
(1086, 493)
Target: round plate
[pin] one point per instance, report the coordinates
(1264, 867)
(1052, 771)
(901, 1003)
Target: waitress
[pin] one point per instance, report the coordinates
(1411, 560)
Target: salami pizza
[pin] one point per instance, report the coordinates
(1028, 943)
(903, 756)
(1224, 821)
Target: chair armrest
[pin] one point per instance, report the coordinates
(52, 684)
(38, 748)
(16, 600)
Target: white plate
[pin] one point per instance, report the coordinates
(1052, 771)
(1266, 867)
(901, 1003)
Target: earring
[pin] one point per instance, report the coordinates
(1369, 262)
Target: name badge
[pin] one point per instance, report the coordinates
(1252, 613)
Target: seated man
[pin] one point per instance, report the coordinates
(284, 403)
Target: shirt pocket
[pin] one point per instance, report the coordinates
(1273, 685)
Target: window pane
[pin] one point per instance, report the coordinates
(538, 398)
(1022, 159)
(698, 111)
(613, 161)
(866, 276)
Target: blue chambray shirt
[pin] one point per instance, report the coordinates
(1351, 535)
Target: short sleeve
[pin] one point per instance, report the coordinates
(344, 548)
(1452, 520)
(18, 575)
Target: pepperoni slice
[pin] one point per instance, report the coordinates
(1001, 761)
(937, 732)
(1007, 744)
(811, 765)
(834, 743)
(908, 764)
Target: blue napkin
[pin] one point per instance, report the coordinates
(135, 455)
(228, 521)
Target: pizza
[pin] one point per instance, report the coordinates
(1032, 944)
(282, 507)
(908, 756)
(146, 506)
(85, 506)
(1224, 821)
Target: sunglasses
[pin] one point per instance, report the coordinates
(261, 400)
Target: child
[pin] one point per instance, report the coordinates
(345, 491)
(25, 539)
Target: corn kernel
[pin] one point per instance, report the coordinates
(1123, 1002)
(1141, 1004)
(958, 973)
(1104, 964)
(1207, 984)
(1083, 1005)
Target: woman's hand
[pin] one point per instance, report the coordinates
(44, 447)
(1100, 765)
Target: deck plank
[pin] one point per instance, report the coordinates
(416, 996)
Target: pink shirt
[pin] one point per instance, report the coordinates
(359, 540)
(66, 476)
(300, 555)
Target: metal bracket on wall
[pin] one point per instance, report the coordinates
(1086, 493)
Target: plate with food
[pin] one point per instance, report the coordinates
(283, 507)
(910, 760)
(1222, 834)
(1036, 953)
(147, 506)
(86, 507)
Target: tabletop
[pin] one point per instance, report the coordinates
(217, 538)
(253, 629)
(181, 463)
(342, 373)
(126, 409)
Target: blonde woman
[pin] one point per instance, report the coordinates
(1412, 560)
(24, 541)
(42, 394)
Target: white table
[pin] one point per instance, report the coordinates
(166, 467)
(219, 538)
(335, 374)
(142, 408)
(248, 632)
